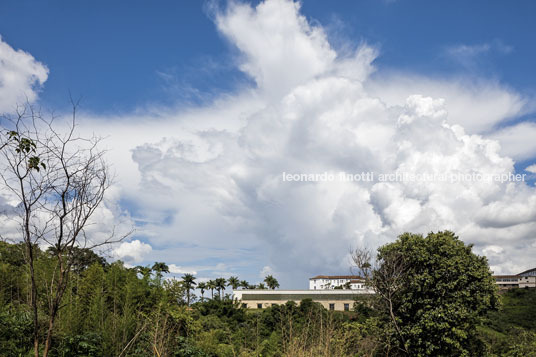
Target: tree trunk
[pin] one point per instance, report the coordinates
(55, 305)
(33, 294)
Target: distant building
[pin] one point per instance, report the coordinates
(341, 300)
(328, 282)
(526, 279)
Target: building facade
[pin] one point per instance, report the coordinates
(340, 300)
(526, 279)
(328, 282)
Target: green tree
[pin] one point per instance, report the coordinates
(188, 282)
(233, 282)
(202, 287)
(261, 286)
(144, 271)
(211, 284)
(82, 258)
(159, 268)
(220, 286)
(244, 284)
(434, 291)
(271, 282)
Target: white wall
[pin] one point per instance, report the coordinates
(326, 284)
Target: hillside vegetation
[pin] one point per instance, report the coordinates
(111, 310)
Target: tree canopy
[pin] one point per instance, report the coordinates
(435, 291)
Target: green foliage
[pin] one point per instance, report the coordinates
(13, 273)
(271, 282)
(188, 282)
(82, 258)
(27, 148)
(438, 291)
(233, 282)
(15, 330)
(518, 310)
(109, 309)
(85, 345)
(219, 285)
(511, 331)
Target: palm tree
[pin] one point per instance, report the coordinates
(271, 282)
(211, 284)
(159, 268)
(144, 271)
(244, 284)
(202, 286)
(220, 285)
(233, 282)
(188, 282)
(261, 286)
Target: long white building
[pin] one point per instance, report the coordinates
(526, 279)
(328, 282)
(321, 290)
(341, 300)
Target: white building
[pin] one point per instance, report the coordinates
(341, 300)
(526, 279)
(328, 282)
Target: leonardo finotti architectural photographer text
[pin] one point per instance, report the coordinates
(401, 177)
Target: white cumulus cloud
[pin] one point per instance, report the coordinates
(132, 252)
(517, 141)
(21, 77)
(175, 269)
(207, 183)
(531, 168)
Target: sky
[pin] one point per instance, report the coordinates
(205, 104)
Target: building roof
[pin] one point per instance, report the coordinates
(351, 277)
(527, 271)
(506, 276)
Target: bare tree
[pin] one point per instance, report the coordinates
(58, 180)
(362, 259)
(386, 276)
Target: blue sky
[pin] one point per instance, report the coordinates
(205, 104)
(111, 53)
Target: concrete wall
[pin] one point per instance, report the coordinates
(527, 281)
(338, 304)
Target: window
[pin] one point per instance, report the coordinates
(245, 306)
(332, 306)
(259, 306)
(346, 307)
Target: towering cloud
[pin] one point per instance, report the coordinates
(205, 185)
(216, 189)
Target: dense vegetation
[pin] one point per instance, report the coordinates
(111, 310)
(436, 292)
(511, 331)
